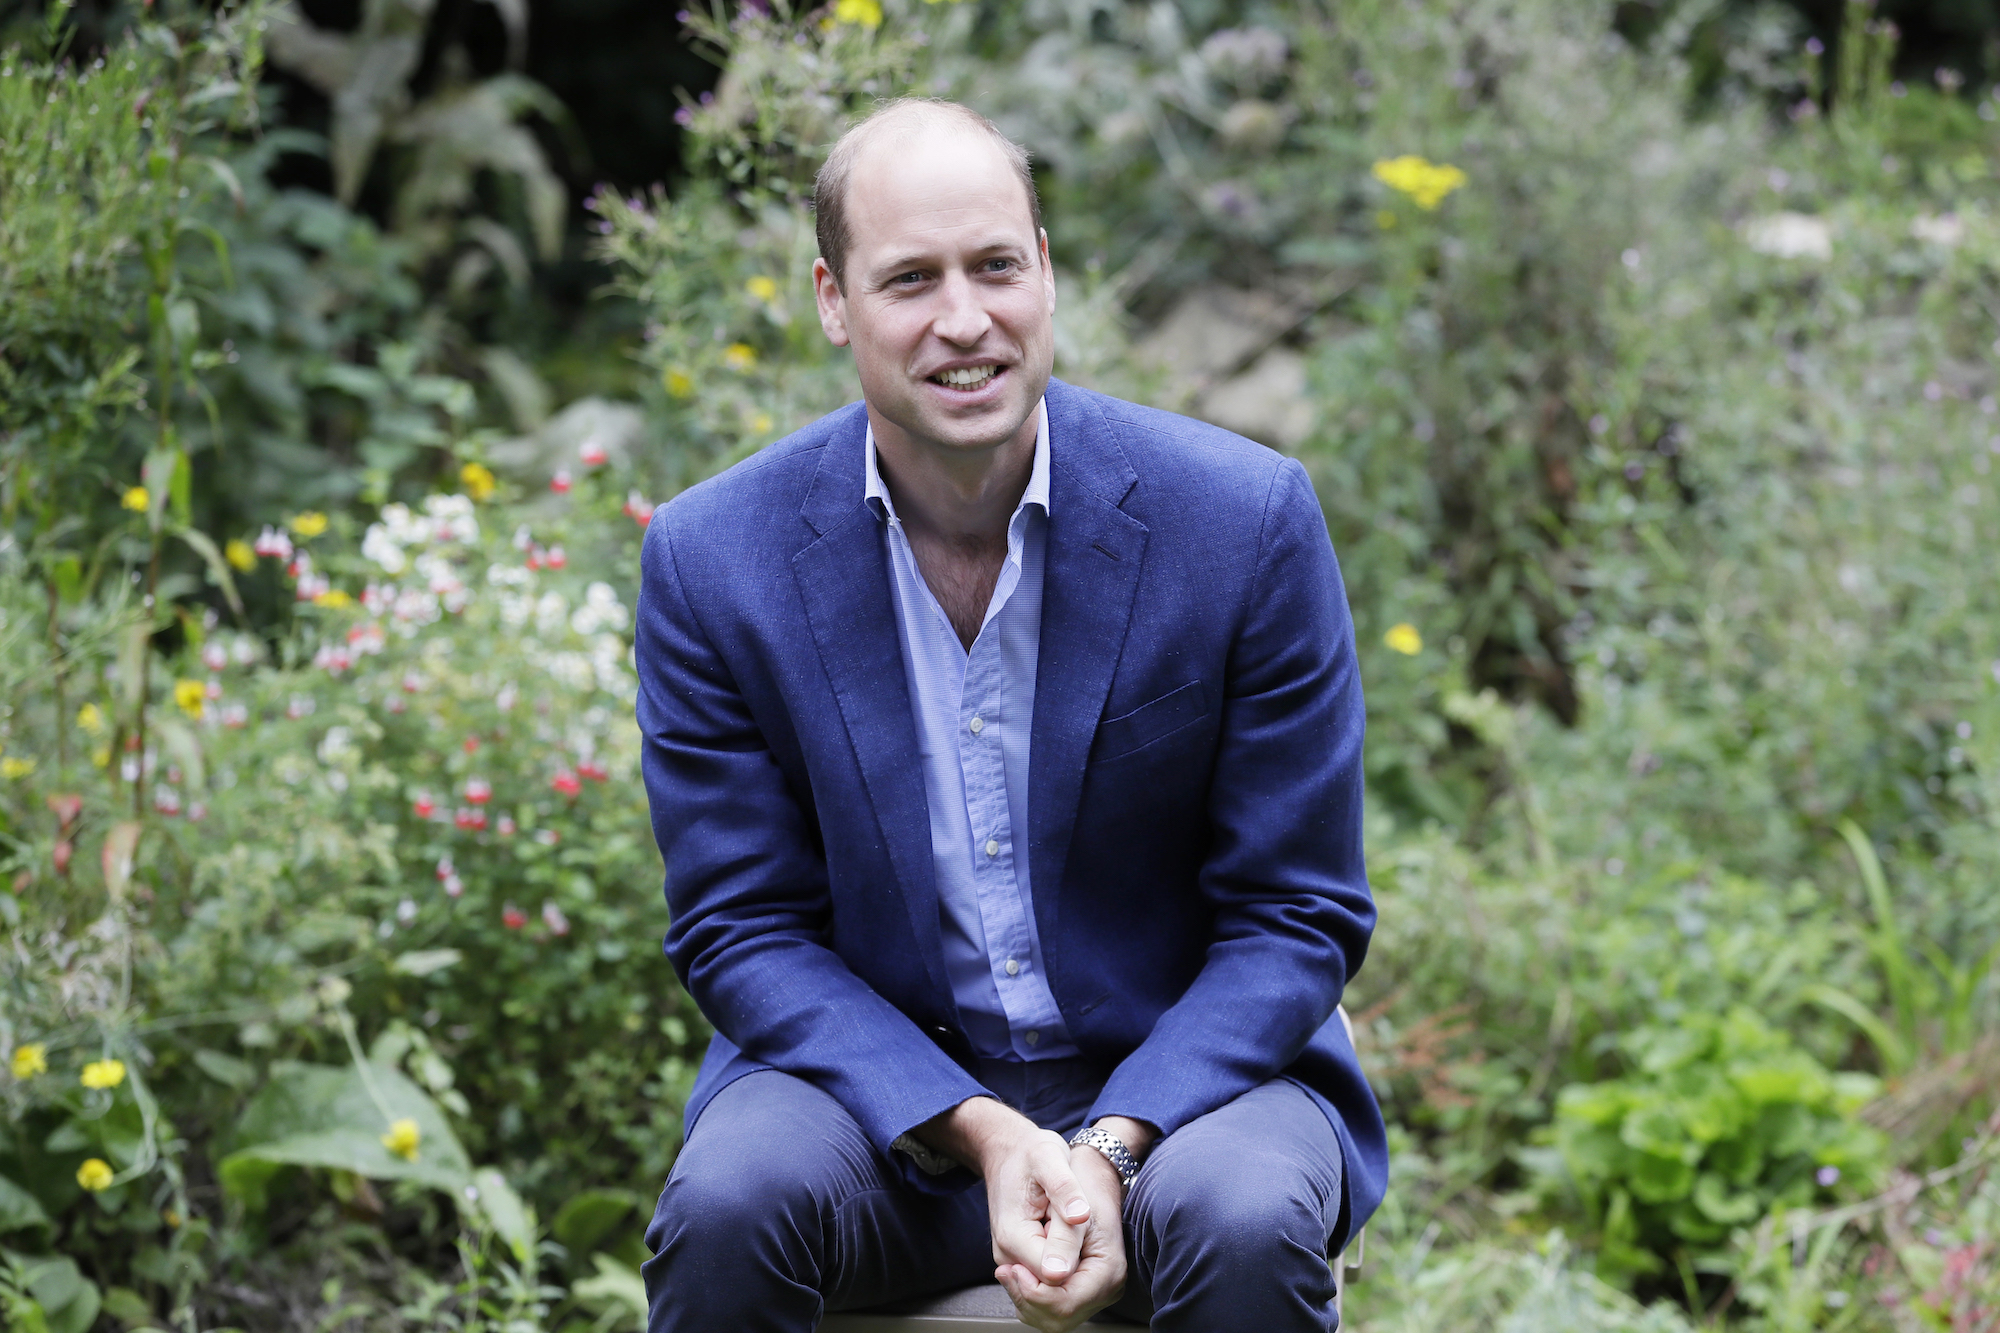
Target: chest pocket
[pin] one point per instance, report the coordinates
(1147, 723)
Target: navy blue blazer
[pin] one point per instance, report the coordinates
(1194, 820)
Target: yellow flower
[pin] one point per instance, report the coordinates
(103, 1074)
(760, 423)
(1427, 183)
(239, 554)
(742, 356)
(137, 499)
(678, 382)
(16, 768)
(101, 756)
(94, 1174)
(402, 1139)
(309, 524)
(1386, 220)
(868, 13)
(334, 598)
(30, 1058)
(762, 288)
(1404, 639)
(91, 718)
(478, 481)
(189, 694)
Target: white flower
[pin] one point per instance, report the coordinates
(1790, 236)
(550, 613)
(1946, 231)
(404, 528)
(335, 745)
(600, 610)
(451, 519)
(379, 546)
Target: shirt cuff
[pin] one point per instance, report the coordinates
(928, 1159)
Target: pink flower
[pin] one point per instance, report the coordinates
(214, 690)
(412, 682)
(453, 886)
(513, 917)
(272, 542)
(548, 837)
(235, 716)
(534, 557)
(197, 812)
(471, 819)
(472, 745)
(592, 454)
(478, 791)
(444, 868)
(566, 782)
(555, 557)
(167, 801)
(506, 826)
(424, 805)
(553, 918)
(560, 482)
(638, 510)
(593, 770)
(214, 656)
(398, 704)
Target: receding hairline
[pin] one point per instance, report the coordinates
(902, 118)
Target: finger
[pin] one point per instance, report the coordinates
(1059, 1251)
(1018, 1241)
(1060, 1185)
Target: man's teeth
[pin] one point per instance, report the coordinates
(969, 378)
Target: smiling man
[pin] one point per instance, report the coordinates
(1004, 748)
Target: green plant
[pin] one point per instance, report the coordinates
(1720, 1120)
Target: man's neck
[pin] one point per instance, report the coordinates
(962, 498)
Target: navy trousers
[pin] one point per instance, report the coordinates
(780, 1209)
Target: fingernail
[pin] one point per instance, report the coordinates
(1056, 1265)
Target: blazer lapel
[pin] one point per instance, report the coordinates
(844, 582)
(1090, 576)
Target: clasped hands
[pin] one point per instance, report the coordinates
(1056, 1211)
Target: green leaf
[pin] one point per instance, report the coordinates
(423, 962)
(218, 567)
(69, 1300)
(1719, 1203)
(226, 1069)
(590, 1216)
(326, 1116)
(19, 1210)
(615, 1291)
(500, 1208)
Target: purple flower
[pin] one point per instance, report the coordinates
(1826, 1176)
(708, 99)
(1815, 47)
(682, 16)
(684, 117)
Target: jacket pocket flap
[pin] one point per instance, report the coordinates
(1149, 722)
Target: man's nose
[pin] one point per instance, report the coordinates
(961, 318)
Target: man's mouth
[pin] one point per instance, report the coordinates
(968, 377)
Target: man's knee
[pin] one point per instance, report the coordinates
(1244, 1205)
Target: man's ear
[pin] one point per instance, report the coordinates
(832, 305)
(1048, 272)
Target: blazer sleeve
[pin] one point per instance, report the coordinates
(747, 888)
(1285, 874)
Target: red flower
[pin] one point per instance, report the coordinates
(513, 917)
(638, 510)
(445, 867)
(592, 453)
(424, 805)
(548, 837)
(472, 820)
(412, 682)
(560, 482)
(478, 791)
(555, 557)
(506, 826)
(566, 783)
(64, 851)
(534, 557)
(593, 770)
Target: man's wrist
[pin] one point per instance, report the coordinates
(977, 1133)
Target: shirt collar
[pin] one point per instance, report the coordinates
(876, 491)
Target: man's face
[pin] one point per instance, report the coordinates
(949, 302)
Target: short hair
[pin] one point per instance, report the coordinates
(830, 185)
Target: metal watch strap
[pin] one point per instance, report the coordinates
(1114, 1150)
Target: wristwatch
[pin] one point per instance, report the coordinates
(1113, 1148)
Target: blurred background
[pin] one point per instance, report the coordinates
(1645, 356)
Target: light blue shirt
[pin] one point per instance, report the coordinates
(973, 714)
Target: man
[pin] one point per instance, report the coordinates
(1003, 742)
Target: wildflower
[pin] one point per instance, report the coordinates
(274, 543)
(403, 1138)
(101, 1074)
(760, 423)
(867, 13)
(1426, 183)
(742, 356)
(506, 826)
(188, 696)
(61, 855)
(333, 599)
(553, 918)
(406, 912)
(91, 718)
(762, 288)
(310, 524)
(453, 886)
(548, 837)
(478, 481)
(94, 1174)
(637, 509)
(136, 498)
(423, 805)
(565, 782)
(560, 482)
(478, 791)
(554, 557)
(197, 812)
(235, 716)
(513, 917)
(445, 869)
(1827, 1176)
(239, 553)
(590, 768)
(215, 657)
(30, 1058)
(14, 767)
(470, 819)
(300, 706)
(166, 801)
(678, 383)
(592, 453)
(1404, 639)
(101, 756)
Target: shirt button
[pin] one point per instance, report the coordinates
(993, 846)
(1013, 967)
(978, 725)
(1031, 1036)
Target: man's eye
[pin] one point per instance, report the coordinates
(999, 265)
(910, 278)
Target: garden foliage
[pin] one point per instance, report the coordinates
(1652, 405)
